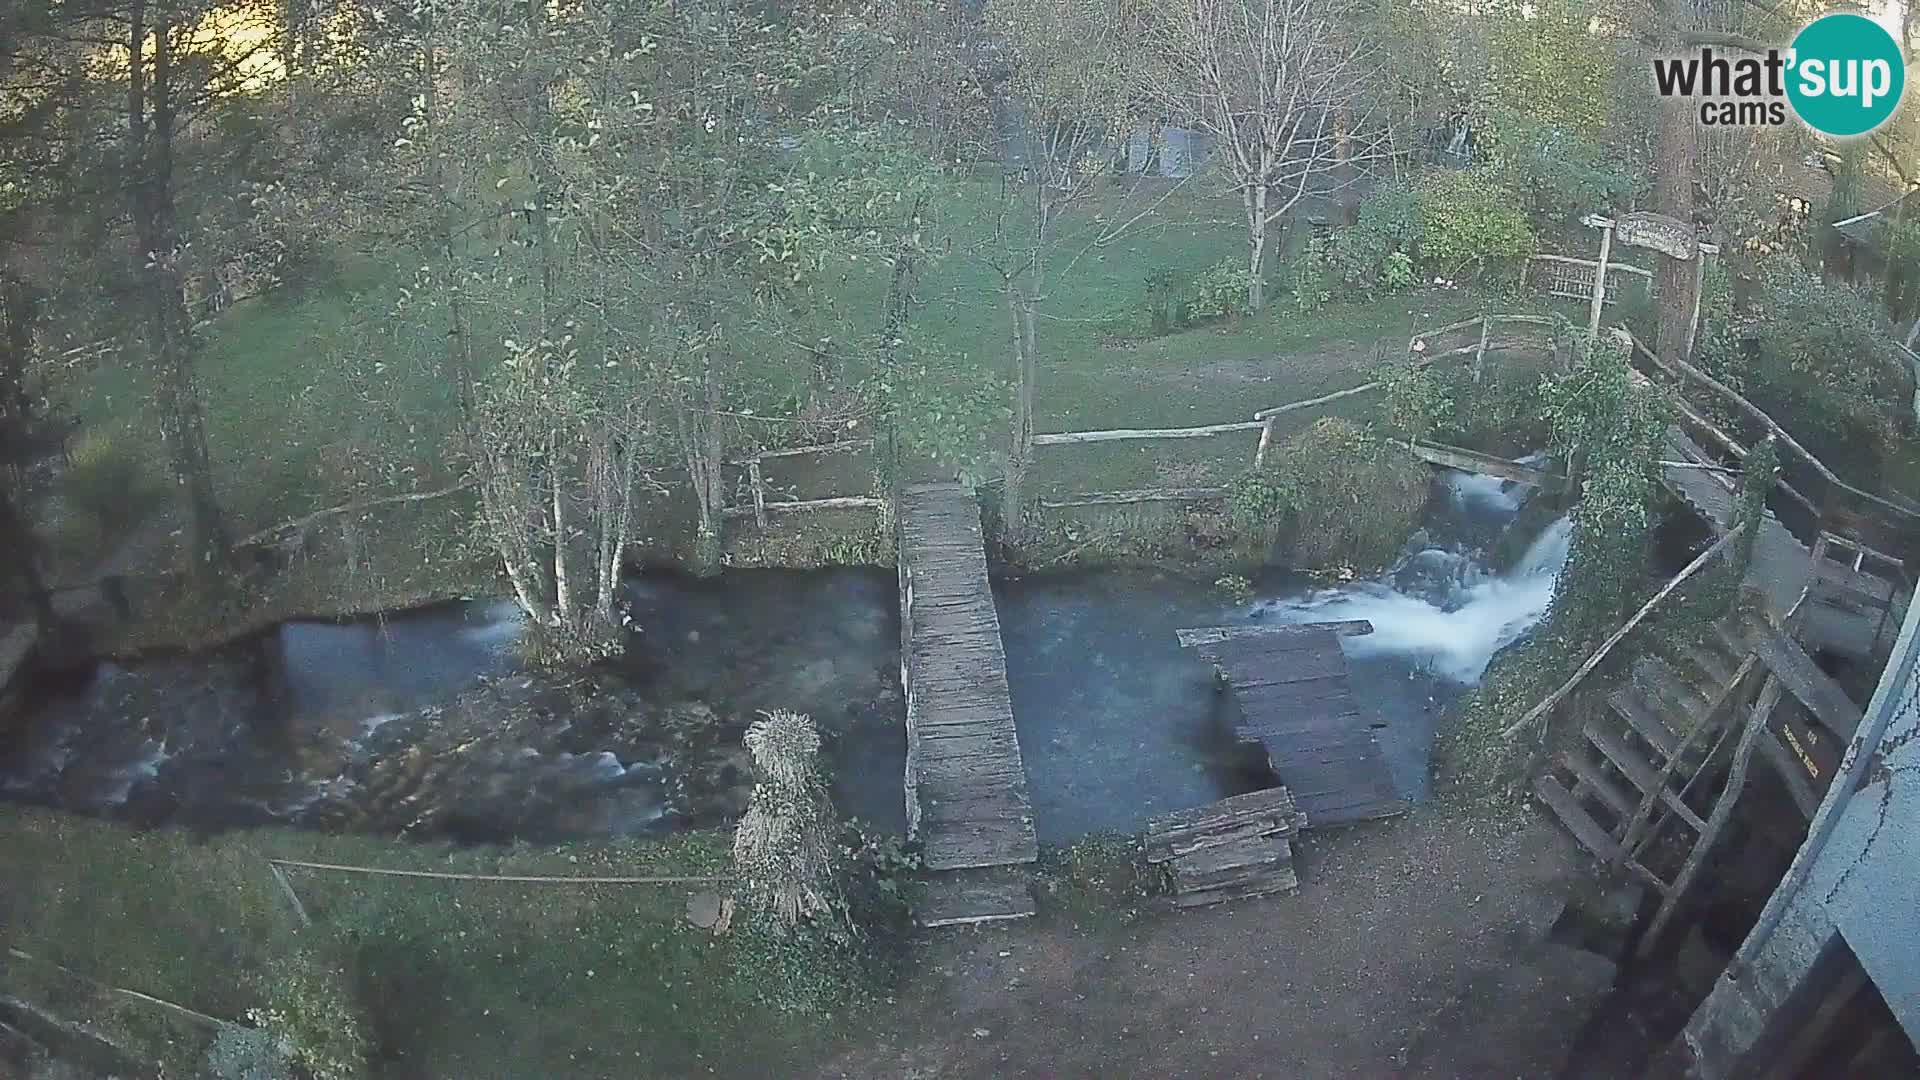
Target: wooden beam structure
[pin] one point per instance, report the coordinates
(1210, 635)
(1143, 495)
(801, 506)
(1472, 461)
(1069, 438)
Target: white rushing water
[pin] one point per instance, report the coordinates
(1441, 608)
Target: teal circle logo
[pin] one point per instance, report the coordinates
(1846, 75)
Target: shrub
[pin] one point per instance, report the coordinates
(1418, 398)
(1346, 497)
(105, 485)
(313, 1019)
(1559, 175)
(1166, 300)
(1376, 251)
(1221, 290)
(1815, 355)
(1616, 427)
(1469, 222)
(1310, 278)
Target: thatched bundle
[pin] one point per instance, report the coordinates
(783, 848)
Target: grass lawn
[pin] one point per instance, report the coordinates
(466, 979)
(331, 390)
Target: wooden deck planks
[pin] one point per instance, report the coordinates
(1295, 693)
(1781, 565)
(1233, 849)
(967, 795)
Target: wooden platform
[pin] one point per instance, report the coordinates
(1781, 564)
(972, 897)
(1233, 849)
(966, 786)
(1296, 700)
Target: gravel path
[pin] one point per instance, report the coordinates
(1414, 948)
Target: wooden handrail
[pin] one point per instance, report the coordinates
(1619, 635)
(1681, 367)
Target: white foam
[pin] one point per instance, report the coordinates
(1457, 635)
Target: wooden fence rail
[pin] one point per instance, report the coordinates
(1682, 369)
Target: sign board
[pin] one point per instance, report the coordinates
(1814, 749)
(1646, 229)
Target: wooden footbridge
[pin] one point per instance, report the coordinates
(1295, 693)
(966, 785)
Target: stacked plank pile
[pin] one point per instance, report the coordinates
(1228, 850)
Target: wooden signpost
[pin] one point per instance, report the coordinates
(1657, 232)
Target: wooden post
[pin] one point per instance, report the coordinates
(1599, 283)
(1699, 286)
(1480, 354)
(759, 493)
(1266, 442)
(1717, 820)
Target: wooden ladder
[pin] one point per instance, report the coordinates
(1634, 771)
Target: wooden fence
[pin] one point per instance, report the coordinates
(1477, 338)
(1833, 502)
(1572, 278)
(757, 485)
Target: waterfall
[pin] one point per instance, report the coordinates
(1441, 608)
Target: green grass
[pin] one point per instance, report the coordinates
(468, 979)
(331, 389)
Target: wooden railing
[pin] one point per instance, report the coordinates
(757, 484)
(1423, 347)
(1826, 510)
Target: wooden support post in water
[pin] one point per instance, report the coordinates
(1480, 354)
(1600, 283)
(759, 487)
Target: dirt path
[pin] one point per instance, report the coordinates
(1415, 948)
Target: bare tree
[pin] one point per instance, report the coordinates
(1286, 89)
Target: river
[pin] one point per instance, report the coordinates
(424, 723)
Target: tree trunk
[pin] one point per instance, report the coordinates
(563, 599)
(1020, 311)
(170, 341)
(1254, 200)
(1256, 261)
(1676, 164)
(20, 445)
(700, 445)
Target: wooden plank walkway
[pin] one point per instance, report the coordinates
(966, 785)
(1781, 565)
(1296, 700)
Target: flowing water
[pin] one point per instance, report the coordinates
(426, 723)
